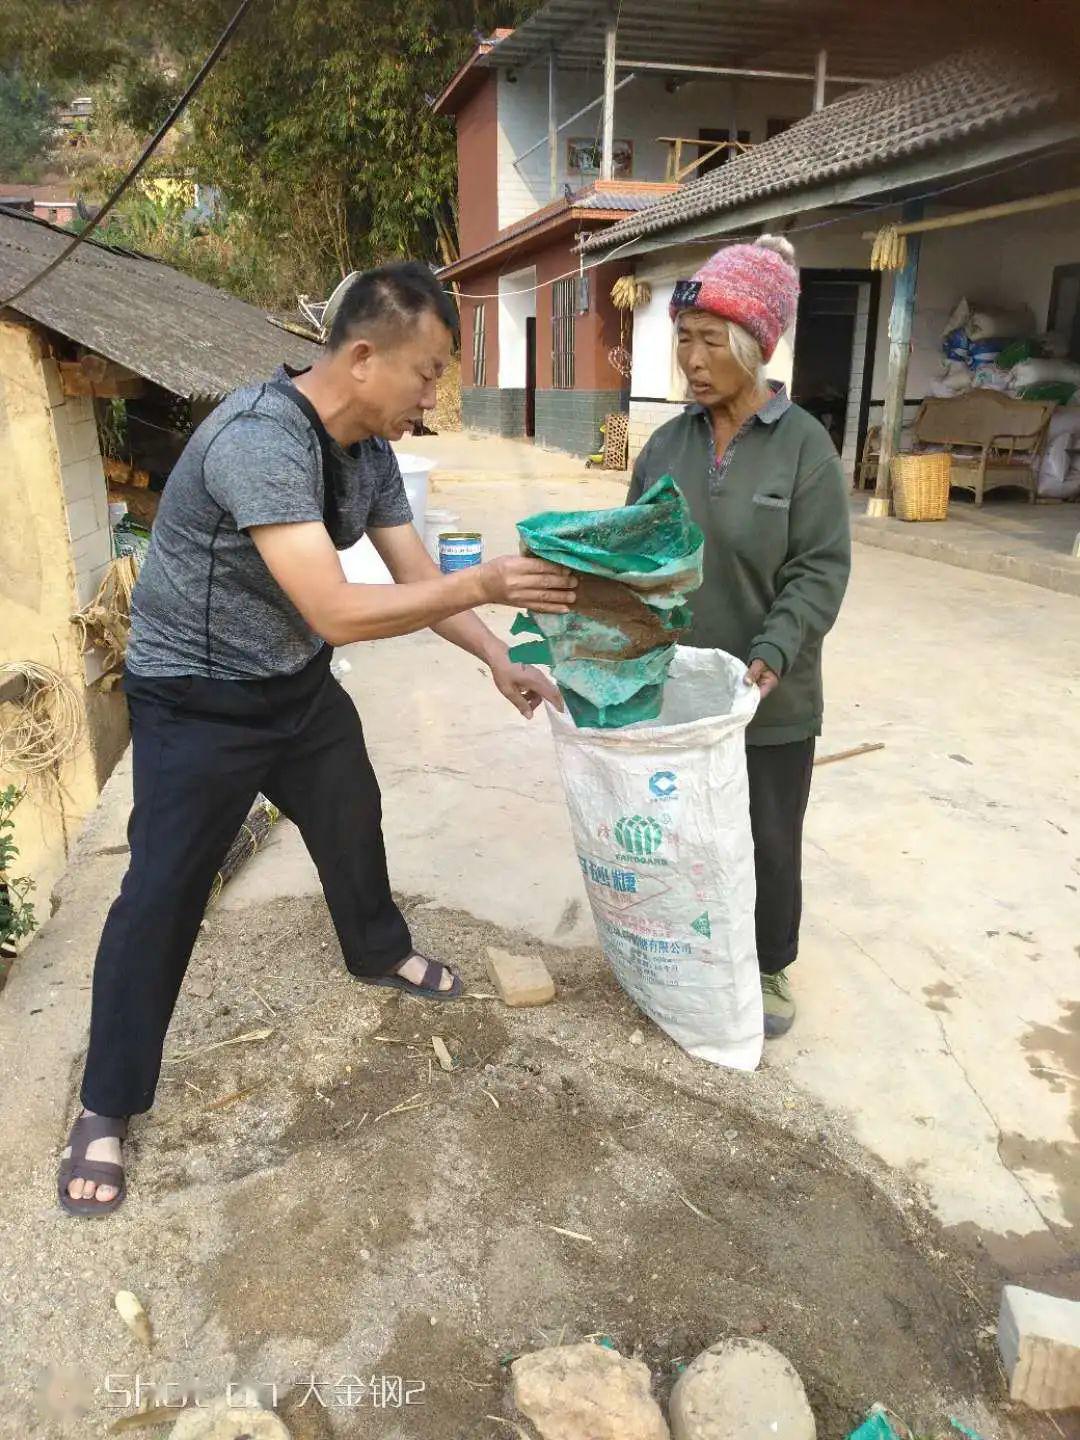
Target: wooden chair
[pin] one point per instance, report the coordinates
(995, 440)
(866, 475)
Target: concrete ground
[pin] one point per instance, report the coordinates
(936, 1058)
(1005, 536)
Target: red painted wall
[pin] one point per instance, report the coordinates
(484, 283)
(595, 334)
(478, 199)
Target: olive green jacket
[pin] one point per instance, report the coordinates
(774, 510)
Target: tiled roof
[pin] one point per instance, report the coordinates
(600, 201)
(181, 334)
(629, 200)
(979, 92)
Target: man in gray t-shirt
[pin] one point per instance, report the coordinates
(205, 603)
(239, 603)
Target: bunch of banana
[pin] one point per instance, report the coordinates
(890, 250)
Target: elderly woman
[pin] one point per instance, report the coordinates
(764, 482)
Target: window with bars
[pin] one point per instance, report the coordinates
(563, 304)
(479, 347)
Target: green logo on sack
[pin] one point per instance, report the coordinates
(702, 926)
(638, 835)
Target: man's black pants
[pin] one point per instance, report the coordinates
(202, 750)
(779, 790)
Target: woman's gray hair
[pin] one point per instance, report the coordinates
(746, 350)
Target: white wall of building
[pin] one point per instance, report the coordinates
(517, 302)
(644, 110)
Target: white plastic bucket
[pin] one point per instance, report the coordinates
(435, 522)
(361, 561)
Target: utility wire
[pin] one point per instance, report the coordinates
(133, 174)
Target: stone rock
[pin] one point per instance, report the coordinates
(587, 1392)
(520, 979)
(740, 1390)
(218, 1420)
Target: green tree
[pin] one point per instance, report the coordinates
(315, 126)
(25, 126)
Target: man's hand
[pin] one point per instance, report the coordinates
(760, 675)
(523, 685)
(528, 584)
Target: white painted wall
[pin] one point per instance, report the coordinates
(644, 110)
(517, 302)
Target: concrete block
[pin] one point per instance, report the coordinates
(99, 493)
(1039, 1341)
(82, 518)
(53, 387)
(81, 478)
(519, 979)
(87, 579)
(76, 437)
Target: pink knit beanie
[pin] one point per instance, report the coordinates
(756, 286)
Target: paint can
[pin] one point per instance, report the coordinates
(459, 549)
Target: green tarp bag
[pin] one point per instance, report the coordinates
(610, 655)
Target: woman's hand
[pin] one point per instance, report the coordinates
(760, 675)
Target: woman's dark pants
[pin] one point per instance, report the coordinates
(779, 789)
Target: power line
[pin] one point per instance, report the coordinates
(133, 174)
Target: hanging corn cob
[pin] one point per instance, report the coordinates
(628, 292)
(889, 250)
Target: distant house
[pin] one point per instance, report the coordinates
(75, 116)
(55, 202)
(579, 121)
(107, 323)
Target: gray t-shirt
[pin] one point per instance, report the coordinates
(205, 603)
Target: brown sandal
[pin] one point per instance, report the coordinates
(425, 989)
(76, 1166)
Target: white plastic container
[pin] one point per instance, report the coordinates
(435, 522)
(361, 562)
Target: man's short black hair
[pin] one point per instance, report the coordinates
(391, 299)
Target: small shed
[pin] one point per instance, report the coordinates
(107, 325)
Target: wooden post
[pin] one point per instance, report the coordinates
(553, 131)
(607, 152)
(903, 307)
(820, 67)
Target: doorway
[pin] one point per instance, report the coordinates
(835, 337)
(530, 375)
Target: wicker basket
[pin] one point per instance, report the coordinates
(920, 485)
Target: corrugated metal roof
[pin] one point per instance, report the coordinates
(870, 40)
(976, 93)
(175, 331)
